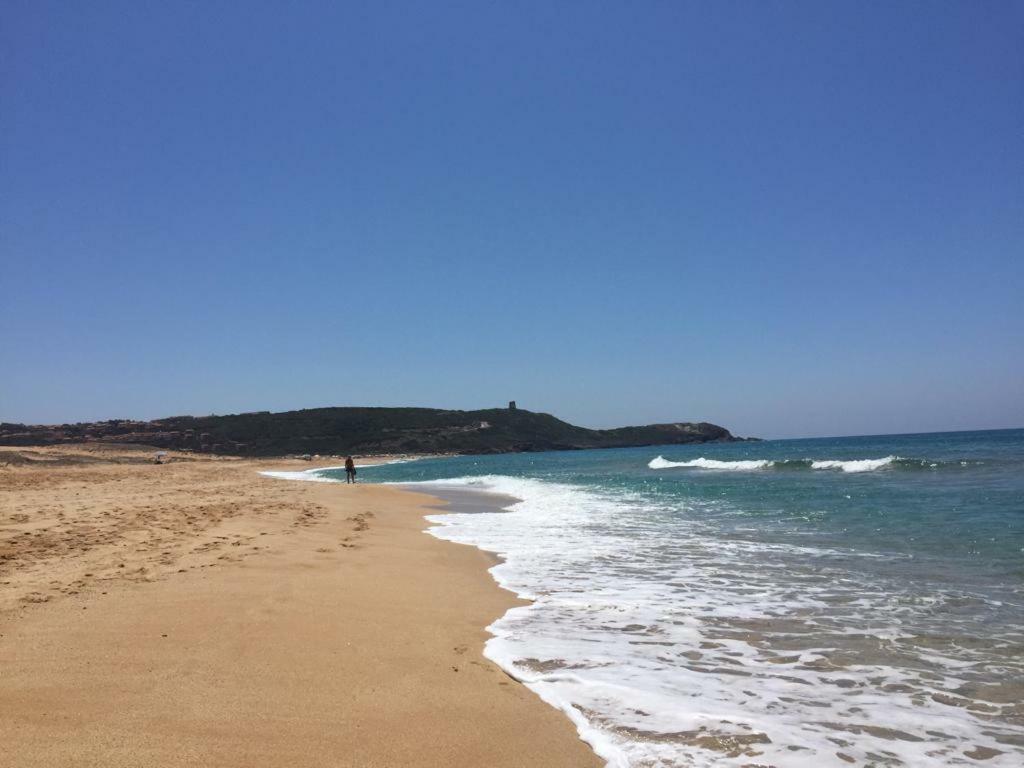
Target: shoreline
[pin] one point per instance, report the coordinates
(266, 623)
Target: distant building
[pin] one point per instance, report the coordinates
(511, 405)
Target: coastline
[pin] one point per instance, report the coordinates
(199, 613)
(687, 611)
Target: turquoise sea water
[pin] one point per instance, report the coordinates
(802, 602)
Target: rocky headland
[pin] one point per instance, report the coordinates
(363, 431)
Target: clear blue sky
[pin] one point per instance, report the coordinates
(798, 218)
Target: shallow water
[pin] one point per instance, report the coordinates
(851, 601)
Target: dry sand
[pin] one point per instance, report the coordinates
(198, 614)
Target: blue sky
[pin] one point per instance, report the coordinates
(800, 218)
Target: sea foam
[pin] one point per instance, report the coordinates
(316, 475)
(668, 645)
(307, 475)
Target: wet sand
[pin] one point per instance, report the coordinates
(199, 614)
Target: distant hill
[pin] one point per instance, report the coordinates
(364, 431)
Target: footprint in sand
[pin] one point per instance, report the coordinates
(360, 521)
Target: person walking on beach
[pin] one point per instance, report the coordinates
(350, 470)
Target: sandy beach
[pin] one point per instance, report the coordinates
(200, 614)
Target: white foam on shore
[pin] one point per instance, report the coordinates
(656, 640)
(306, 475)
(313, 476)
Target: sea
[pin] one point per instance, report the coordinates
(854, 601)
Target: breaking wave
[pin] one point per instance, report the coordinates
(857, 465)
(850, 465)
(662, 463)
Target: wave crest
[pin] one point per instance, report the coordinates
(747, 465)
(662, 463)
(857, 465)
